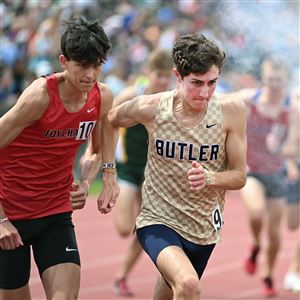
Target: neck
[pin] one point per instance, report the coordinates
(183, 109)
(274, 96)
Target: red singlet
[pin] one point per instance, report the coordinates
(36, 169)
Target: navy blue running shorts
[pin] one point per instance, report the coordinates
(155, 238)
(53, 242)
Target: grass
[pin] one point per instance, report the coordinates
(95, 187)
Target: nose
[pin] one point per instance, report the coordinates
(204, 91)
(89, 73)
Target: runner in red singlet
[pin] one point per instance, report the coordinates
(39, 139)
(264, 190)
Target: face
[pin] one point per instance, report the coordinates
(159, 80)
(197, 89)
(274, 79)
(82, 75)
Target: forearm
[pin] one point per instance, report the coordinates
(109, 139)
(228, 180)
(89, 169)
(2, 212)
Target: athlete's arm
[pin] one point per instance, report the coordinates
(234, 115)
(9, 236)
(141, 109)
(29, 108)
(125, 95)
(291, 146)
(105, 138)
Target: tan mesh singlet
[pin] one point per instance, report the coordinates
(167, 198)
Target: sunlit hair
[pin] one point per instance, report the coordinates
(84, 41)
(194, 53)
(160, 60)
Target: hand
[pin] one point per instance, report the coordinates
(272, 143)
(9, 236)
(79, 192)
(110, 192)
(196, 177)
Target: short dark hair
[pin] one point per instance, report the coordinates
(84, 41)
(194, 53)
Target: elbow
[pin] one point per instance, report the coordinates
(111, 117)
(242, 180)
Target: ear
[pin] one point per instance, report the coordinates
(177, 75)
(63, 61)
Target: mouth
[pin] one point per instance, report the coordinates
(88, 82)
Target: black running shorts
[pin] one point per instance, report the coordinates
(53, 242)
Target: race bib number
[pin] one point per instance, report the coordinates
(84, 130)
(217, 218)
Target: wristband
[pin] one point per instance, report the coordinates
(3, 220)
(207, 177)
(109, 170)
(106, 165)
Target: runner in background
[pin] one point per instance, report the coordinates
(291, 150)
(263, 194)
(131, 160)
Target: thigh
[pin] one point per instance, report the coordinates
(15, 267)
(62, 281)
(198, 255)
(57, 244)
(253, 195)
(127, 205)
(165, 249)
(155, 238)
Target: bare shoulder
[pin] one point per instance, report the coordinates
(106, 93)
(231, 102)
(106, 98)
(149, 103)
(234, 111)
(36, 94)
(30, 106)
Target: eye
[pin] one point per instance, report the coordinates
(197, 83)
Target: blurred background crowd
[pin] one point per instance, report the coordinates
(248, 31)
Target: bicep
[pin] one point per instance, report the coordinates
(139, 110)
(94, 143)
(24, 113)
(125, 114)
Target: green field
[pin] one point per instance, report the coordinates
(95, 187)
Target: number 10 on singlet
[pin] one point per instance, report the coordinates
(217, 218)
(84, 130)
